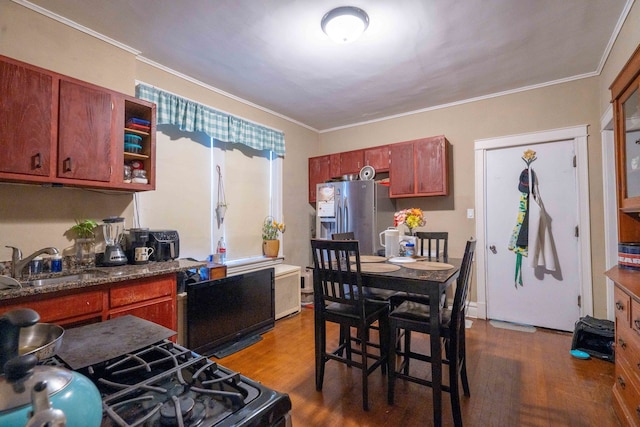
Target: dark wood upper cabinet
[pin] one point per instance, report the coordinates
(377, 158)
(59, 130)
(402, 170)
(85, 132)
(351, 162)
(321, 169)
(419, 168)
(625, 91)
(27, 125)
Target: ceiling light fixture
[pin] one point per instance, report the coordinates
(345, 24)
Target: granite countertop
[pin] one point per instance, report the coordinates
(102, 275)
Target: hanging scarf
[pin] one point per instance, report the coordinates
(519, 242)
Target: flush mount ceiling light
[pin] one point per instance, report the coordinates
(345, 24)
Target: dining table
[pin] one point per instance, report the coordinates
(425, 277)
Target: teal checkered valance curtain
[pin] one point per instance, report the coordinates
(191, 116)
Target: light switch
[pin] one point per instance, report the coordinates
(470, 213)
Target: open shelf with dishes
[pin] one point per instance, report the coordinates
(139, 143)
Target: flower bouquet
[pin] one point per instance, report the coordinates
(271, 229)
(412, 218)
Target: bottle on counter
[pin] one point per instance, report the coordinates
(222, 250)
(56, 263)
(36, 266)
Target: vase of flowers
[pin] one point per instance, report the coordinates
(271, 230)
(411, 218)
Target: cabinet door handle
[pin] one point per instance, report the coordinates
(37, 161)
(622, 343)
(621, 382)
(67, 164)
(619, 306)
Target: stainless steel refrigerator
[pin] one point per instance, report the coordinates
(363, 207)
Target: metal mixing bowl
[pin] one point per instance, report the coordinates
(42, 340)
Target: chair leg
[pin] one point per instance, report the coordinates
(385, 343)
(453, 350)
(391, 376)
(407, 351)
(362, 333)
(321, 346)
(463, 363)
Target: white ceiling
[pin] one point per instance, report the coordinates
(415, 55)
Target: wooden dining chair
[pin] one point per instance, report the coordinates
(435, 243)
(338, 298)
(414, 316)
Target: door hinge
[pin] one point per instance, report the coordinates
(577, 232)
(575, 162)
(579, 300)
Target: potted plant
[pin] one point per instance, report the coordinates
(85, 242)
(271, 229)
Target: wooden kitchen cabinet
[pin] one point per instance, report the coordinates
(60, 130)
(419, 168)
(626, 388)
(351, 162)
(321, 169)
(27, 129)
(377, 158)
(625, 91)
(84, 133)
(66, 310)
(152, 298)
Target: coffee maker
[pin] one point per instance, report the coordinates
(137, 238)
(113, 253)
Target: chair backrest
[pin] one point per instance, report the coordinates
(462, 285)
(349, 235)
(431, 242)
(336, 273)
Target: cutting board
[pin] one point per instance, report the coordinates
(92, 344)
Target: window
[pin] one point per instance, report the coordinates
(186, 193)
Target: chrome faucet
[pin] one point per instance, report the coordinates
(18, 263)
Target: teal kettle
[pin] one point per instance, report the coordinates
(32, 394)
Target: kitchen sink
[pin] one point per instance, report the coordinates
(78, 277)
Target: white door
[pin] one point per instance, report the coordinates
(547, 298)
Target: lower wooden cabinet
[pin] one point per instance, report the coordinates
(626, 389)
(151, 298)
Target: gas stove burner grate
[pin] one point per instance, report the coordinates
(168, 385)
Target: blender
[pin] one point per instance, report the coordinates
(113, 252)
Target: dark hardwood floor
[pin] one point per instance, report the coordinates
(516, 379)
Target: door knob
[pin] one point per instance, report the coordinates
(492, 248)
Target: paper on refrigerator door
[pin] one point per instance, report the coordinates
(326, 201)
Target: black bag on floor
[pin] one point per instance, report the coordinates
(594, 336)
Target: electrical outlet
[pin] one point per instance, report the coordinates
(470, 213)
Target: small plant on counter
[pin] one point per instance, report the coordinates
(84, 228)
(271, 228)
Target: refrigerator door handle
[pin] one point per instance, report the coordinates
(346, 217)
(338, 217)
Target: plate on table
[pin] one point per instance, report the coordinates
(429, 265)
(402, 259)
(378, 268)
(368, 258)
